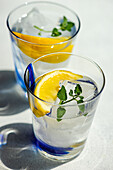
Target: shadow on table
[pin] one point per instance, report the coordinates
(12, 100)
(18, 149)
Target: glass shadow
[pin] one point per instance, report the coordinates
(18, 149)
(12, 98)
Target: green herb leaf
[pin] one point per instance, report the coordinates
(79, 101)
(71, 92)
(64, 24)
(60, 112)
(81, 97)
(59, 120)
(62, 94)
(55, 32)
(78, 89)
(85, 114)
(81, 107)
(69, 26)
(39, 33)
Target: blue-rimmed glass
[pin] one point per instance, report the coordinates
(65, 139)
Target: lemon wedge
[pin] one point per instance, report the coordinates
(36, 47)
(47, 89)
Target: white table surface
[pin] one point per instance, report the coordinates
(95, 40)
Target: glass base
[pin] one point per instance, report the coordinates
(55, 152)
(59, 153)
(63, 158)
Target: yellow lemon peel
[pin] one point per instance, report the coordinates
(36, 47)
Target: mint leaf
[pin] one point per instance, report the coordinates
(59, 120)
(81, 107)
(62, 94)
(85, 114)
(69, 26)
(63, 25)
(66, 25)
(39, 33)
(81, 97)
(55, 32)
(60, 112)
(79, 101)
(71, 92)
(78, 89)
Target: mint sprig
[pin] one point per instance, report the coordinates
(75, 95)
(40, 29)
(65, 25)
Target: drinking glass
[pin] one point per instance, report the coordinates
(29, 43)
(65, 139)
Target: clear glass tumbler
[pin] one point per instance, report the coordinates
(63, 137)
(31, 30)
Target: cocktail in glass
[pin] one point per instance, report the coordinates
(39, 28)
(63, 98)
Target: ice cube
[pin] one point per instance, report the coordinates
(26, 23)
(89, 90)
(34, 17)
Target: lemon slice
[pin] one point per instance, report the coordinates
(47, 89)
(36, 47)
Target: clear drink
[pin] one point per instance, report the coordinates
(67, 137)
(62, 137)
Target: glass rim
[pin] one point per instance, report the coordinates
(86, 58)
(48, 2)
